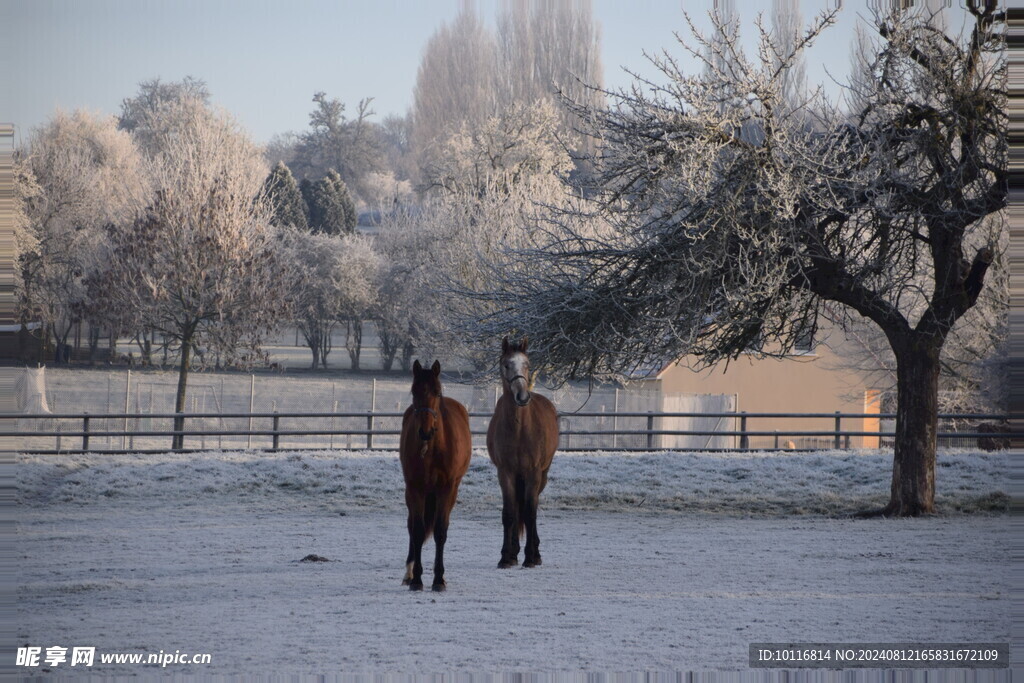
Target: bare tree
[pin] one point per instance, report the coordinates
(728, 225)
(974, 375)
(199, 266)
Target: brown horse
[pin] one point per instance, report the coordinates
(435, 450)
(521, 440)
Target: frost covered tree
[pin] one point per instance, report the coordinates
(402, 300)
(385, 193)
(289, 208)
(351, 147)
(469, 74)
(331, 210)
(730, 221)
(454, 82)
(343, 199)
(312, 265)
(396, 143)
(547, 51)
(487, 197)
(137, 112)
(87, 174)
(199, 266)
(357, 287)
(502, 151)
(787, 32)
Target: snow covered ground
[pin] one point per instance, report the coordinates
(657, 562)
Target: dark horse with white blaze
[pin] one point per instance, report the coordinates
(521, 441)
(435, 451)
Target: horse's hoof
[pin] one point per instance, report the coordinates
(532, 563)
(439, 587)
(415, 585)
(505, 564)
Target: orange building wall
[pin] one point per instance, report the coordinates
(810, 383)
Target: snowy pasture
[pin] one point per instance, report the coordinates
(654, 562)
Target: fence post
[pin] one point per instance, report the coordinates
(85, 432)
(369, 419)
(178, 438)
(650, 430)
(615, 420)
(252, 398)
(776, 439)
(127, 396)
(334, 420)
(744, 439)
(838, 442)
(277, 423)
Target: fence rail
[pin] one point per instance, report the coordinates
(633, 431)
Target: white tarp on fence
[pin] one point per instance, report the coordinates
(697, 403)
(30, 391)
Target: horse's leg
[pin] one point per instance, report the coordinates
(411, 504)
(509, 521)
(532, 555)
(417, 534)
(445, 502)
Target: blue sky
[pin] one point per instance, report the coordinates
(263, 59)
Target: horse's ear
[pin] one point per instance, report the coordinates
(436, 368)
(522, 344)
(504, 345)
(416, 367)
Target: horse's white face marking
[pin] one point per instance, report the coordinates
(515, 368)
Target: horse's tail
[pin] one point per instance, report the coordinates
(521, 502)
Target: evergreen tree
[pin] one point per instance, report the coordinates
(289, 207)
(326, 211)
(344, 199)
(306, 190)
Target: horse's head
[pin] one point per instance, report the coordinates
(515, 370)
(426, 398)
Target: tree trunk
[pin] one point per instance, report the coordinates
(327, 345)
(354, 341)
(408, 350)
(314, 346)
(94, 343)
(917, 411)
(179, 400)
